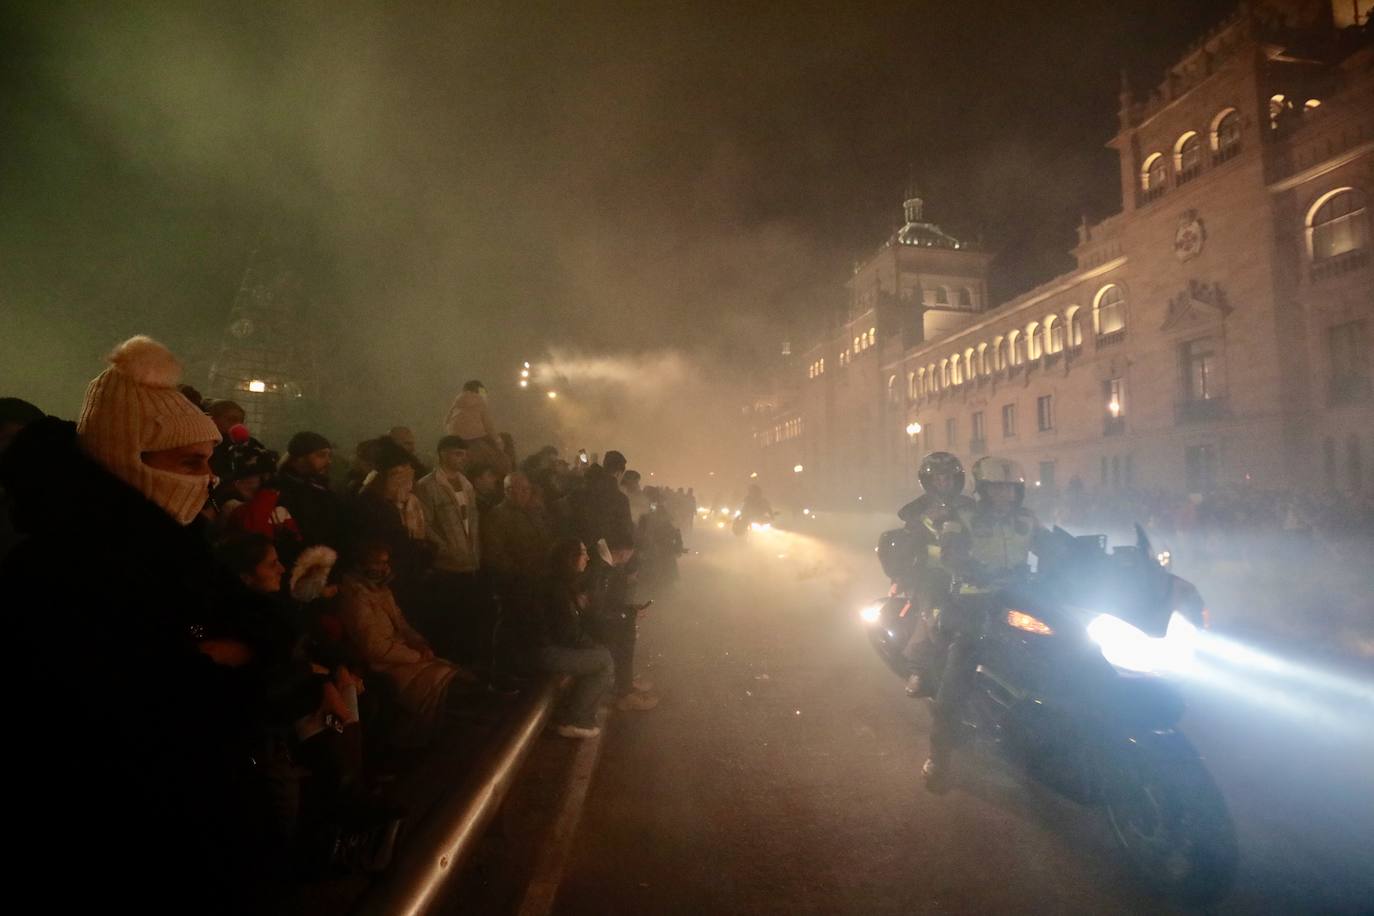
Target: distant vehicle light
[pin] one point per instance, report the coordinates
(257, 386)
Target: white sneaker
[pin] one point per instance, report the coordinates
(577, 731)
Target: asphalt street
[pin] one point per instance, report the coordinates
(780, 774)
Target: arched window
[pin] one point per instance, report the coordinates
(1188, 155)
(1109, 310)
(1014, 349)
(956, 375)
(941, 295)
(1054, 335)
(1154, 174)
(1226, 133)
(966, 297)
(1033, 345)
(1075, 322)
(999, 354)
(970, 368)
(984, 369)
(1337, 223)
(872, 336)
(944, 373)
(916, 384)
(893, 393)
(932, 379)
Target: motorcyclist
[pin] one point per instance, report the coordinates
(942, 500)
(986, 549)
(756, 508)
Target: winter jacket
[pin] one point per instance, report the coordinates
(315, 507)
(390, 646)
(515, 543)
(124, 722)
(600, 510)
(470, 418)
(369, 517)
(452, 522)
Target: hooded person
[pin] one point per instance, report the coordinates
(139, 711)
(302, 483)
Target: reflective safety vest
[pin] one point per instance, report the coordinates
(997, 544)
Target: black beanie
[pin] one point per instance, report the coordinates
(306, 443)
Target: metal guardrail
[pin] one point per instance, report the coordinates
(433, 858)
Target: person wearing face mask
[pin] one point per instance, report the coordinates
(391, 647)
(114, 575)
(385, 510)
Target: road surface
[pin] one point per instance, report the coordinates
(780, 774)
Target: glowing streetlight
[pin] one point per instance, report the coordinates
(524, 373)
(552, 395)
(913, 428)
(1114, 407)
(257, 386)
(527, 364)
(753, 474)
(797, 469)
(524, 383)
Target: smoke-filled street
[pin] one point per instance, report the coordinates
(781, 772)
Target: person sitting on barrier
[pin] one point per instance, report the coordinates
(392, 647)
(564, 646)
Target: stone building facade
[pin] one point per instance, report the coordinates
(1217, 330)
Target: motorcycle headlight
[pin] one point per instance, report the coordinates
(1129, 648)
(871, 613)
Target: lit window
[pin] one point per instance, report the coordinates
(956, 376)
(1109, 311)
(1154, 174)
(1054, 335)
(1115, 391)
(1200, 370)
(1338, 223)
(1226, 131)
(872, 336)
(1311, 103)
(1188, 153)
(1033, 344)
(944, 373)
(1075, 327)
(999, 354)
(970, 368)
(1014, 348)
(1278, 104)
(984, 368)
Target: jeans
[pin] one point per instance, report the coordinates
(593, 674)
(964, 617)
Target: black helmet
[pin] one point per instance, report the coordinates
(940, 463)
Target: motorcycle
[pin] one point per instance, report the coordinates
(1071, 686)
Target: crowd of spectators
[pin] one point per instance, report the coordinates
(228, 657)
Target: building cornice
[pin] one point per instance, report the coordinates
(1321, 168)
(1034, 297)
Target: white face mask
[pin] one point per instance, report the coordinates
(181, 496)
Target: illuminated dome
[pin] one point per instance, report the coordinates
(918, 232)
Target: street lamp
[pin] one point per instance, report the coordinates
(797, 469)
(524, 383)
(552, 395)
(753, 474)
(1114, 407)
(913, 428)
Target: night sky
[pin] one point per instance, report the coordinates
(465, 185)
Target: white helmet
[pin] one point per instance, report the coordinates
(994, 469)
